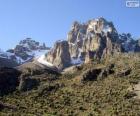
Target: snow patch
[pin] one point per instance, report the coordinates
(37, 53)
(72, 44)
(42, 60)
(76, 61)
(107, 28)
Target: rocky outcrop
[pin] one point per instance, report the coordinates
(59, 55)
(27, 82)
(123, 73)
(106, 71)
(90, 75)
(99, 73)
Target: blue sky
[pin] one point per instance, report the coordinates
(50, 20)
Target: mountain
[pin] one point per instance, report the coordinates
(95, 39)
(26, 50)
(129, 44)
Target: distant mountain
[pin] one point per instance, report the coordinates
(129, 44)
(95, 39)
(25, 51)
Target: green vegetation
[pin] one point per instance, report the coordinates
(68, 96)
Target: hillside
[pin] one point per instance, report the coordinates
(98, 88)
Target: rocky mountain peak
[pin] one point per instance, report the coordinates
(79, 31)
(129, 44)
(94, 39)
(32, 44)
(26, 50)
(100, 25)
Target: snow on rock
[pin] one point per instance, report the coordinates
(42, 60)
(76, 61)
(107, 28)
(26, 50)
(37, 53)
(128, 42)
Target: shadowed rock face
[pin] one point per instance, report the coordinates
(8, 80)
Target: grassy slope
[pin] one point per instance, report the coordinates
(70, 97)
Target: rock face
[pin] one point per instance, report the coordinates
(59, 55)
